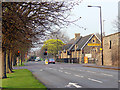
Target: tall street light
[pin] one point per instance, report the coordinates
(101, 30)
(57, 45)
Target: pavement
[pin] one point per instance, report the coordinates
(102, 67)
(66, 75)
(97, 66)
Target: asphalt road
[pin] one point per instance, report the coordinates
(73, 76)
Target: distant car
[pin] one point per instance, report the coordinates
(37, 59)
(51, 60)
(32, 58)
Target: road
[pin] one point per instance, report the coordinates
(73, 75)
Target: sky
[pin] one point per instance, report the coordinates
(90, 17)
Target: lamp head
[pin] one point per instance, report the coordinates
(89, 6)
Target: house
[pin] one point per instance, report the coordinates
(80, 48)
(111, 49)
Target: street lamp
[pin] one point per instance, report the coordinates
(101, 30)
(57, 46)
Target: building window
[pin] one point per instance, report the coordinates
(110, 45)
(93, 41)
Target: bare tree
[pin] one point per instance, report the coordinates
(27, 23)
(116, 24)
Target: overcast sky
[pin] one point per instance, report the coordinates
(91, 17)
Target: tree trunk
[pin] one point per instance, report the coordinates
(1, 63)
(21, 57)
(10, 71)
(4, 63)
(14, 61)
(7, 69)
(11, 61)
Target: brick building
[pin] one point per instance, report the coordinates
(81, 47)
(111, 49)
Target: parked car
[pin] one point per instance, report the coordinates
(51, 60)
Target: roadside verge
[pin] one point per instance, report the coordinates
(21, 78)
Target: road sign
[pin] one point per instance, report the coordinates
(46, 61)
(100, 48)
(88, 55)
(93, 44)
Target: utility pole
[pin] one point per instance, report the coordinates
(57, 46)
(101, 48)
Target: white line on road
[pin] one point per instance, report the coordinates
(49, 68)
(73, 84)
(79, 76)
(95, 80)
(107, 74)
(67, 73)
(91, 71)
(41, 70)
(61, 68)
(60, 71)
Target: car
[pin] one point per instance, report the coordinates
(37, 59)
(51, 60)
(32, 58)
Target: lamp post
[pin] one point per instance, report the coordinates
(101, 31)
(57, 45)
(103, 28)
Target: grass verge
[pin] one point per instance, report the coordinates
(21, 78)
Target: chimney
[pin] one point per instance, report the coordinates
(77, 35)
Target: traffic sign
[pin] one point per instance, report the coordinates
(93, 44)
(100, 48)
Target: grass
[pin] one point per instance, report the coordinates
(21, 78)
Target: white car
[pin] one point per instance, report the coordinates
(37, 59)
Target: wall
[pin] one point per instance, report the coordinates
(64, 54)
(93, 50)
(110, 53)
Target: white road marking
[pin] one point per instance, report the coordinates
(95, 80)
(107, 74)
(91, 71)
(41, 70)
(49, 68)
(79, 76)
(73, 84)
(71, 68)
(61, 68)
(60, 71)
(67, 73)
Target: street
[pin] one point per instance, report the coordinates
(64, 75)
